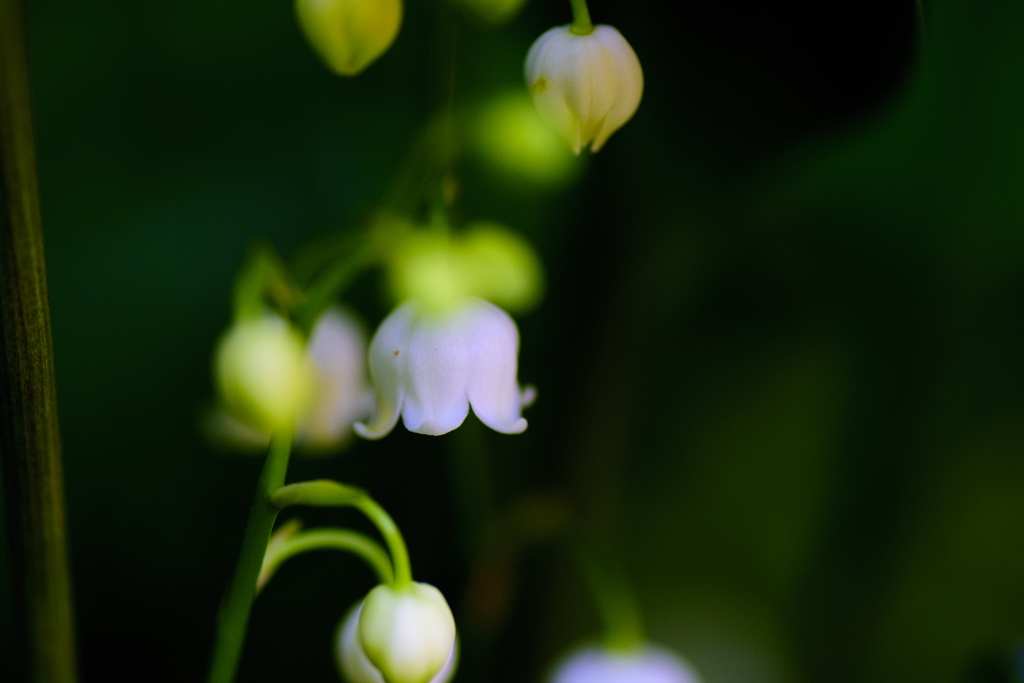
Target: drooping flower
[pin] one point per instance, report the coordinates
(349, 35)
(649, 664)
(585, 86)
(332, 375)
(399, 635)
(431, 367)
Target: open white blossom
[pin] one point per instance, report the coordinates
(431, 367)
(356, 667)
(649, 664)
(584, 86)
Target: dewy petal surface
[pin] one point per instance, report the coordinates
(431, 368)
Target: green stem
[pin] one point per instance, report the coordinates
(581, 25)
(262, 276)
(327, 539)
(333, 280)
(234, 617)
(30, 453)
(326, 493)
(623, 626)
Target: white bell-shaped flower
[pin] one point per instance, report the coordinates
(407, 633)
(356, 667)
(431, 367)
(648, 664)
(584, 86)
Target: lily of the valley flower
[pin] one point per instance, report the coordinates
(585, 86)
(332, 375)
(649, 664)
(431, 367)
(349, 35)
(406, 634)
(356, 667)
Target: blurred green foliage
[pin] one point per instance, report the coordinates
(779, 358)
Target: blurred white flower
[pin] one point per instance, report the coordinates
(400, 635)
(336, 392)
(431, 367)
(649, 664)
(585, 86)
(337, 348)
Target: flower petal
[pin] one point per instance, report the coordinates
(492, 346)
(389, 354)
(436, 374)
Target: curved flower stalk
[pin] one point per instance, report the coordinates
(430, 368)
(647, 664)
(492, 12)
(349, 35)
(336, 392)
(585, 85)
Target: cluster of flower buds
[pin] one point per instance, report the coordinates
(398, 635)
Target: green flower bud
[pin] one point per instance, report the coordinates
(349, 35)
(488, 261)
(511, 137)
(263, 373)
(407, 633)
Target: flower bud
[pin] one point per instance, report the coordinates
(349, 35)
(355, 667)
(512, 138)
(262, 372)
(407, 633)
(648, 664)
(584, 86)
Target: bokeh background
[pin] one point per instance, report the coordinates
(779, 359)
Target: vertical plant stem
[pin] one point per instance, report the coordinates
(581, 24)
(234, 617)
(29, 436)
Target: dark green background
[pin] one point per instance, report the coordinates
(779, 361)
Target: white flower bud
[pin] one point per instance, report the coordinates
(407, 633)
(349, 35)
(584, 86)
(263, 373)
(649, 664)
(355, 666)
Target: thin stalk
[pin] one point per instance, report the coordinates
(581, 24)
(620, 615)
(326, 493)
(30, 452)
(327, 539)
(234, 617)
